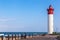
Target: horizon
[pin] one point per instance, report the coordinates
(27, 15)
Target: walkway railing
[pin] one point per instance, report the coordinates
(15, 37)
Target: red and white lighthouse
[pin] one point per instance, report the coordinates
(50, 19)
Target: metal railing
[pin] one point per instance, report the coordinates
(15, 37)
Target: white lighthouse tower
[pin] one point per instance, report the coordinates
(50, 19)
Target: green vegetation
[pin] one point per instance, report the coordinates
(56, 33)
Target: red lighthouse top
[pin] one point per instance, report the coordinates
(50, 10)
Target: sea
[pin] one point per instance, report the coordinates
(27, 33)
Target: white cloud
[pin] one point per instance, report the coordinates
(4, 26)
(3, 20)
(7, 19)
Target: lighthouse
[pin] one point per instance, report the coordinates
(50, 19)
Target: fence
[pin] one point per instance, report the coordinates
(15, 37)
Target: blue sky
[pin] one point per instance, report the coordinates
(27, 15)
